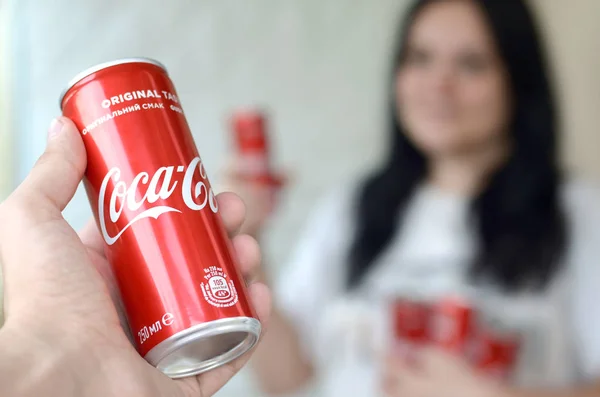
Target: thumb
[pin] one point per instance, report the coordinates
(34, 237)
(53, 180)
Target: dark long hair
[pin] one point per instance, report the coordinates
(520, 227)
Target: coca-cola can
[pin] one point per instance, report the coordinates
(184, 297)
(452, 324)
(411, 317)
(251, 142)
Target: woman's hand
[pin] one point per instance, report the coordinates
(435, 373)
(260, 194)
(62, 334)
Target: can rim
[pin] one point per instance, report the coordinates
(248, 325)
(104, 65)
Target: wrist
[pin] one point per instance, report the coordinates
(29, 366)
(495, 388)
(506, 391)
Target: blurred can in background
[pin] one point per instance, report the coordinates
(453, 323)
(411, 321)
(253, 150)
(252, 143)
(464, 321)
(185, 300)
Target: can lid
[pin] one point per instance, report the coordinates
(93, 69)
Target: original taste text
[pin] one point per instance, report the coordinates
(152, 99)
(138, 94)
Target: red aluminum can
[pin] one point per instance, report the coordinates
(410, 324)
(411, 321)
(251, 138)
(251, 141)
(185, 300)
(453, 324)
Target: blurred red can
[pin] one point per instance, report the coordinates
(452, 324)
(411, 318)
(184, 297)
(251, 141)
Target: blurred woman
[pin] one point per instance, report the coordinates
(470, 191)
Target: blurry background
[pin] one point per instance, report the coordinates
(6, 60)
(320, 68)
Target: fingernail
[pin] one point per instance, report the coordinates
(55, 128)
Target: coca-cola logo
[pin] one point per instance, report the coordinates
(160, 186)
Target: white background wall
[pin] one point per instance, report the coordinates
(573, 35)
(318, 65)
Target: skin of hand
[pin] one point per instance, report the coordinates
(434, 373)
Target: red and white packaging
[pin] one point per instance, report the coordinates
(411, 316)
(184, 297)
(453, 323)
(494, 350)
(252, 144)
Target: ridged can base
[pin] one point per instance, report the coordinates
(205, 346)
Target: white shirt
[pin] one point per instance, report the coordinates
(560, 326)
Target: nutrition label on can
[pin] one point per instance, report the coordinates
(217, 289)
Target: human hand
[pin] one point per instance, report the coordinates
(260, 194)
(435, 373)
(63, 333)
